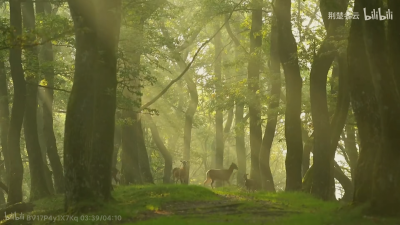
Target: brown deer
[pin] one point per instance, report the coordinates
(249, 183)
(180, 173)
(220, 174)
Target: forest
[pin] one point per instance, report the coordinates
(200, 112)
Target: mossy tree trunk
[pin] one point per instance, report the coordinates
(80, 108)
(253, 84)
(89, 125)
(288, 56)
(16, 170)
(267, 180)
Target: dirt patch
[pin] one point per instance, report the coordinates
(226, 206)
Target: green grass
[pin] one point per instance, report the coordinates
(142, 205)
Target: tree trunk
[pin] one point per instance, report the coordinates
(117, 145)
(323, 162)
(48, 98)
(4, 118)
(339, 117)
(42, 142)
(80, 108)
(345, 182)
(365, 107)
(289, 60)
(108, 20)
(16, 170)
(308, 148)
(4, 125)
(393, 38)
(253, 83)
(386, 180)
(163, 150)
(267, 180)
(38, 186)
(351, 148)
(144, 162)
(189, 114)
(240, 142)
(219, 119)
(130, 171)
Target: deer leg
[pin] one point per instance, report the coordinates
(212, 181)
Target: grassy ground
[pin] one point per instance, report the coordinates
(195, 205)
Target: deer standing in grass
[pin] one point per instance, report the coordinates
(220, 174)
(249, 183)
(180, 173)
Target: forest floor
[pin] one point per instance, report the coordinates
(196, 205)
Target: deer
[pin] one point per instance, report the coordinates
(249, 183)
(180, 173)
(220, 174)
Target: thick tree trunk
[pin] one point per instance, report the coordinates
(108, 28)
(48, 97)
(163, 150)
(386, 180)
(267, 180)
(253, 83)
(219, 119)
(80, 108)
(289, 60)
(130, 170)
(37, 169)
(393, 38)
(4, 118)
(323, 161)
(365, 107)
(16, 169)
(338, 174)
